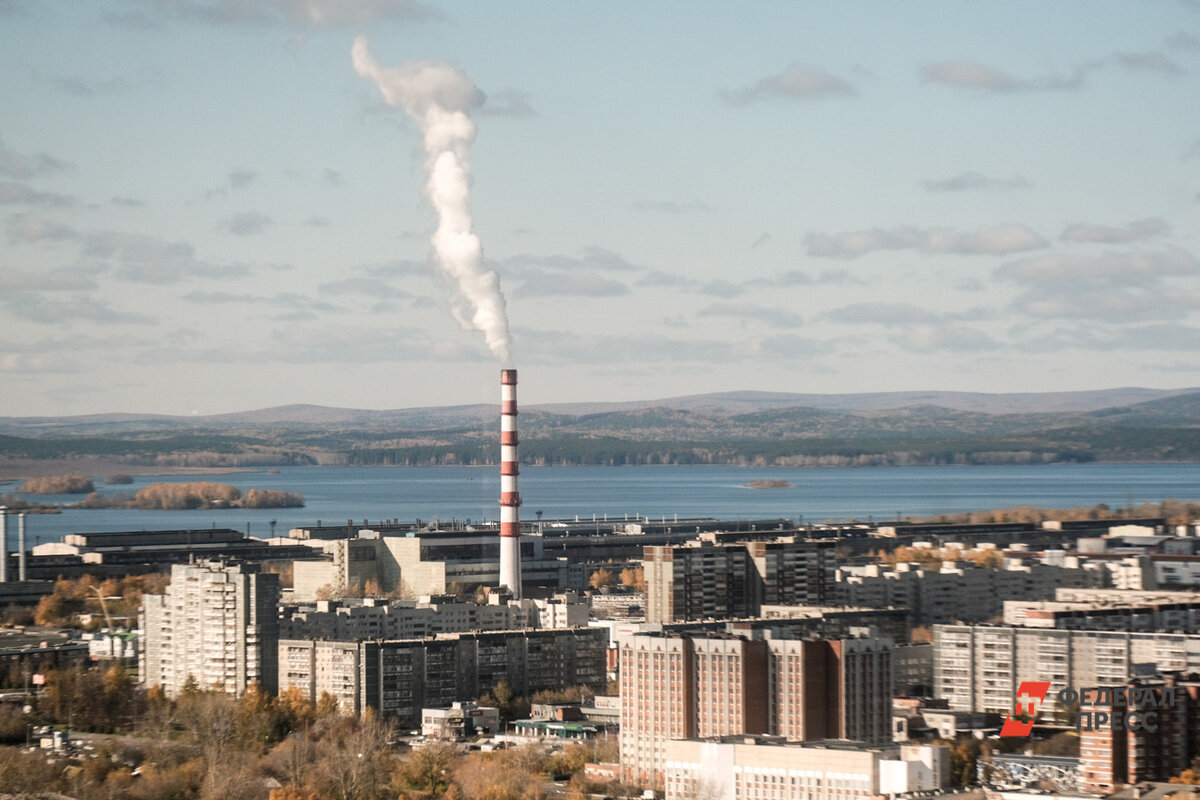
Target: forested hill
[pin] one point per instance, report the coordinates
(732, 428)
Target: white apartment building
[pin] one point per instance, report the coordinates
(376, 618)
(217, 624)
(960, 590)
(978, 667)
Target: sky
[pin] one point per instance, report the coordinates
(205, 207)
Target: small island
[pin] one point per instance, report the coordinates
(773, 484)
(57, 484)
(199, 495)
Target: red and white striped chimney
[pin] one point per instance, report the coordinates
(510, 496)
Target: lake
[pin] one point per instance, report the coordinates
(334, 495)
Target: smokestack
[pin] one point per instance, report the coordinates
(21, 573)
(3, 544)
(510, 496)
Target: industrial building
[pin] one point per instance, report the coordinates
(428, 563)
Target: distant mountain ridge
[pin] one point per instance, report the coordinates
(719, 403)
(892, 428)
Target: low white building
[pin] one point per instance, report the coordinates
(459, 721)
(766, 768)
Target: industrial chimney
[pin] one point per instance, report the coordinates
(510, 497)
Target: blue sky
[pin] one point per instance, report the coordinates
(204, 208)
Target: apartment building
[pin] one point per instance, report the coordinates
(397, 678)
(1180, 614)
(959, 591)
(217, 625)
(680, 686)
(709, 580)
(978, 667)
(1114, 755)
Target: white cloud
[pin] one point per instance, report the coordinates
(1113, 267)
(507, 103)
(589, 258)
(1000, 240)
(239, 178)
(90, 85)
(22, 194)
(572, 347)
(543, 283)
(30, 363)
(367, 287)
(1134, 231)
(794, 83)
(1154, 336)
(773, 316)
(59, 310)
(30, 227)
(981, 77)
(1152, 62)
(22, 166)
(974, 181)
(303, 14)
(246, 223)
(144, 259)
(671, 206)
(56, 280)
(882, 314)
(943, 337)
(1116, 305)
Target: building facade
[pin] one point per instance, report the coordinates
(682, 686)
(978, 667)
(763, 768)
(707, 580)
(1114, 755)
(398, 678)
(217, 626)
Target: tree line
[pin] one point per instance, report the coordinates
(207, 744)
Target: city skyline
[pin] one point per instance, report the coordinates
(206, 209)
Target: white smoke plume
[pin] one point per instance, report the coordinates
(438, 97)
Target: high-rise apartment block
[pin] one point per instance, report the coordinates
(979, 667)
(398, 678)
(680, 686)
(706, 580)
(217, 625)
(960, 590)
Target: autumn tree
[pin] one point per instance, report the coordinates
(601, 578)
(505, 700)
(353, 761)
(427, 771)
(634, 578)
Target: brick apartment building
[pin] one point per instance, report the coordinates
(680, 686)
(1113, 755)
(707, 580)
